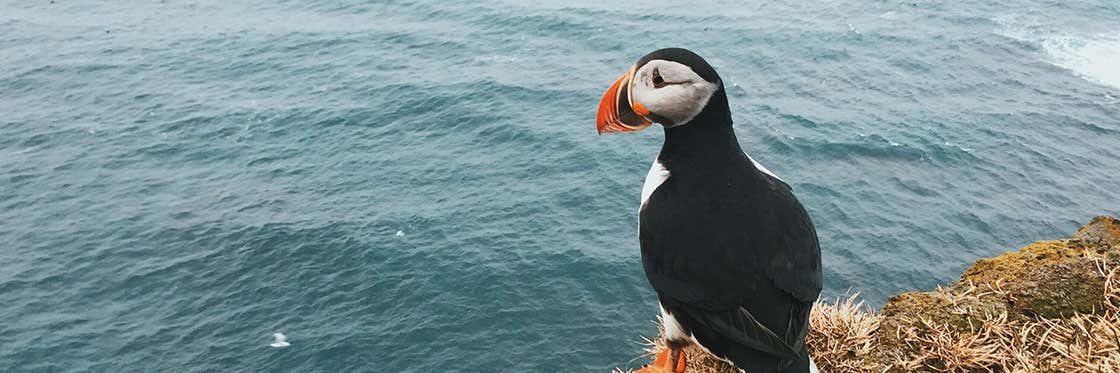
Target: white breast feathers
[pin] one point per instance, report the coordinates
(657, 175)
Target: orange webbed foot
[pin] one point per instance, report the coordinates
(664, 363)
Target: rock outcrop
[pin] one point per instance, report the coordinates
(1052, 306)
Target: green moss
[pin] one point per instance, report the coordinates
(1058, 290)
(1011, 266)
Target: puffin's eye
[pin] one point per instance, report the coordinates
(658, 81)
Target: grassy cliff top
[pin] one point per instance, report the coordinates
(1052, 306)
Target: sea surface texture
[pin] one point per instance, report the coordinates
(405, 186)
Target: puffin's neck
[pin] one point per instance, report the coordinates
(707, 140)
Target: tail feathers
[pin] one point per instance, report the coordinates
(803, 364)
(741, 327)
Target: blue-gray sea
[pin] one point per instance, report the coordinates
(408, 186)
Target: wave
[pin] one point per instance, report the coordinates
(1095, 59)
(1091, 56)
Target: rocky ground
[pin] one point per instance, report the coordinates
(1052, 306)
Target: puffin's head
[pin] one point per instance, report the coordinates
(668, 86)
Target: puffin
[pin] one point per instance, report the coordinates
(729, 250)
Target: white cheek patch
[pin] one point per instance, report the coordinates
(680, 100)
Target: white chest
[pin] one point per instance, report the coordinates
(657, 175)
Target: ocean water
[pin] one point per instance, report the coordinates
(418, 186)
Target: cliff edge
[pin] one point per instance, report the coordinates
(1052, 306)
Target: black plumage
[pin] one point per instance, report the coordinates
(730, 251)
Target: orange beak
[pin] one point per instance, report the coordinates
(617, 110)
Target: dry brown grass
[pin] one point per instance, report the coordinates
(845, 336)
(843, 333)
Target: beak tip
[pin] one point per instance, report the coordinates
(608, 119)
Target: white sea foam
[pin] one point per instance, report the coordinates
(1096, 58)
(1093, 57)
(280, 340)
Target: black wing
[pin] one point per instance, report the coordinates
(736, 255)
